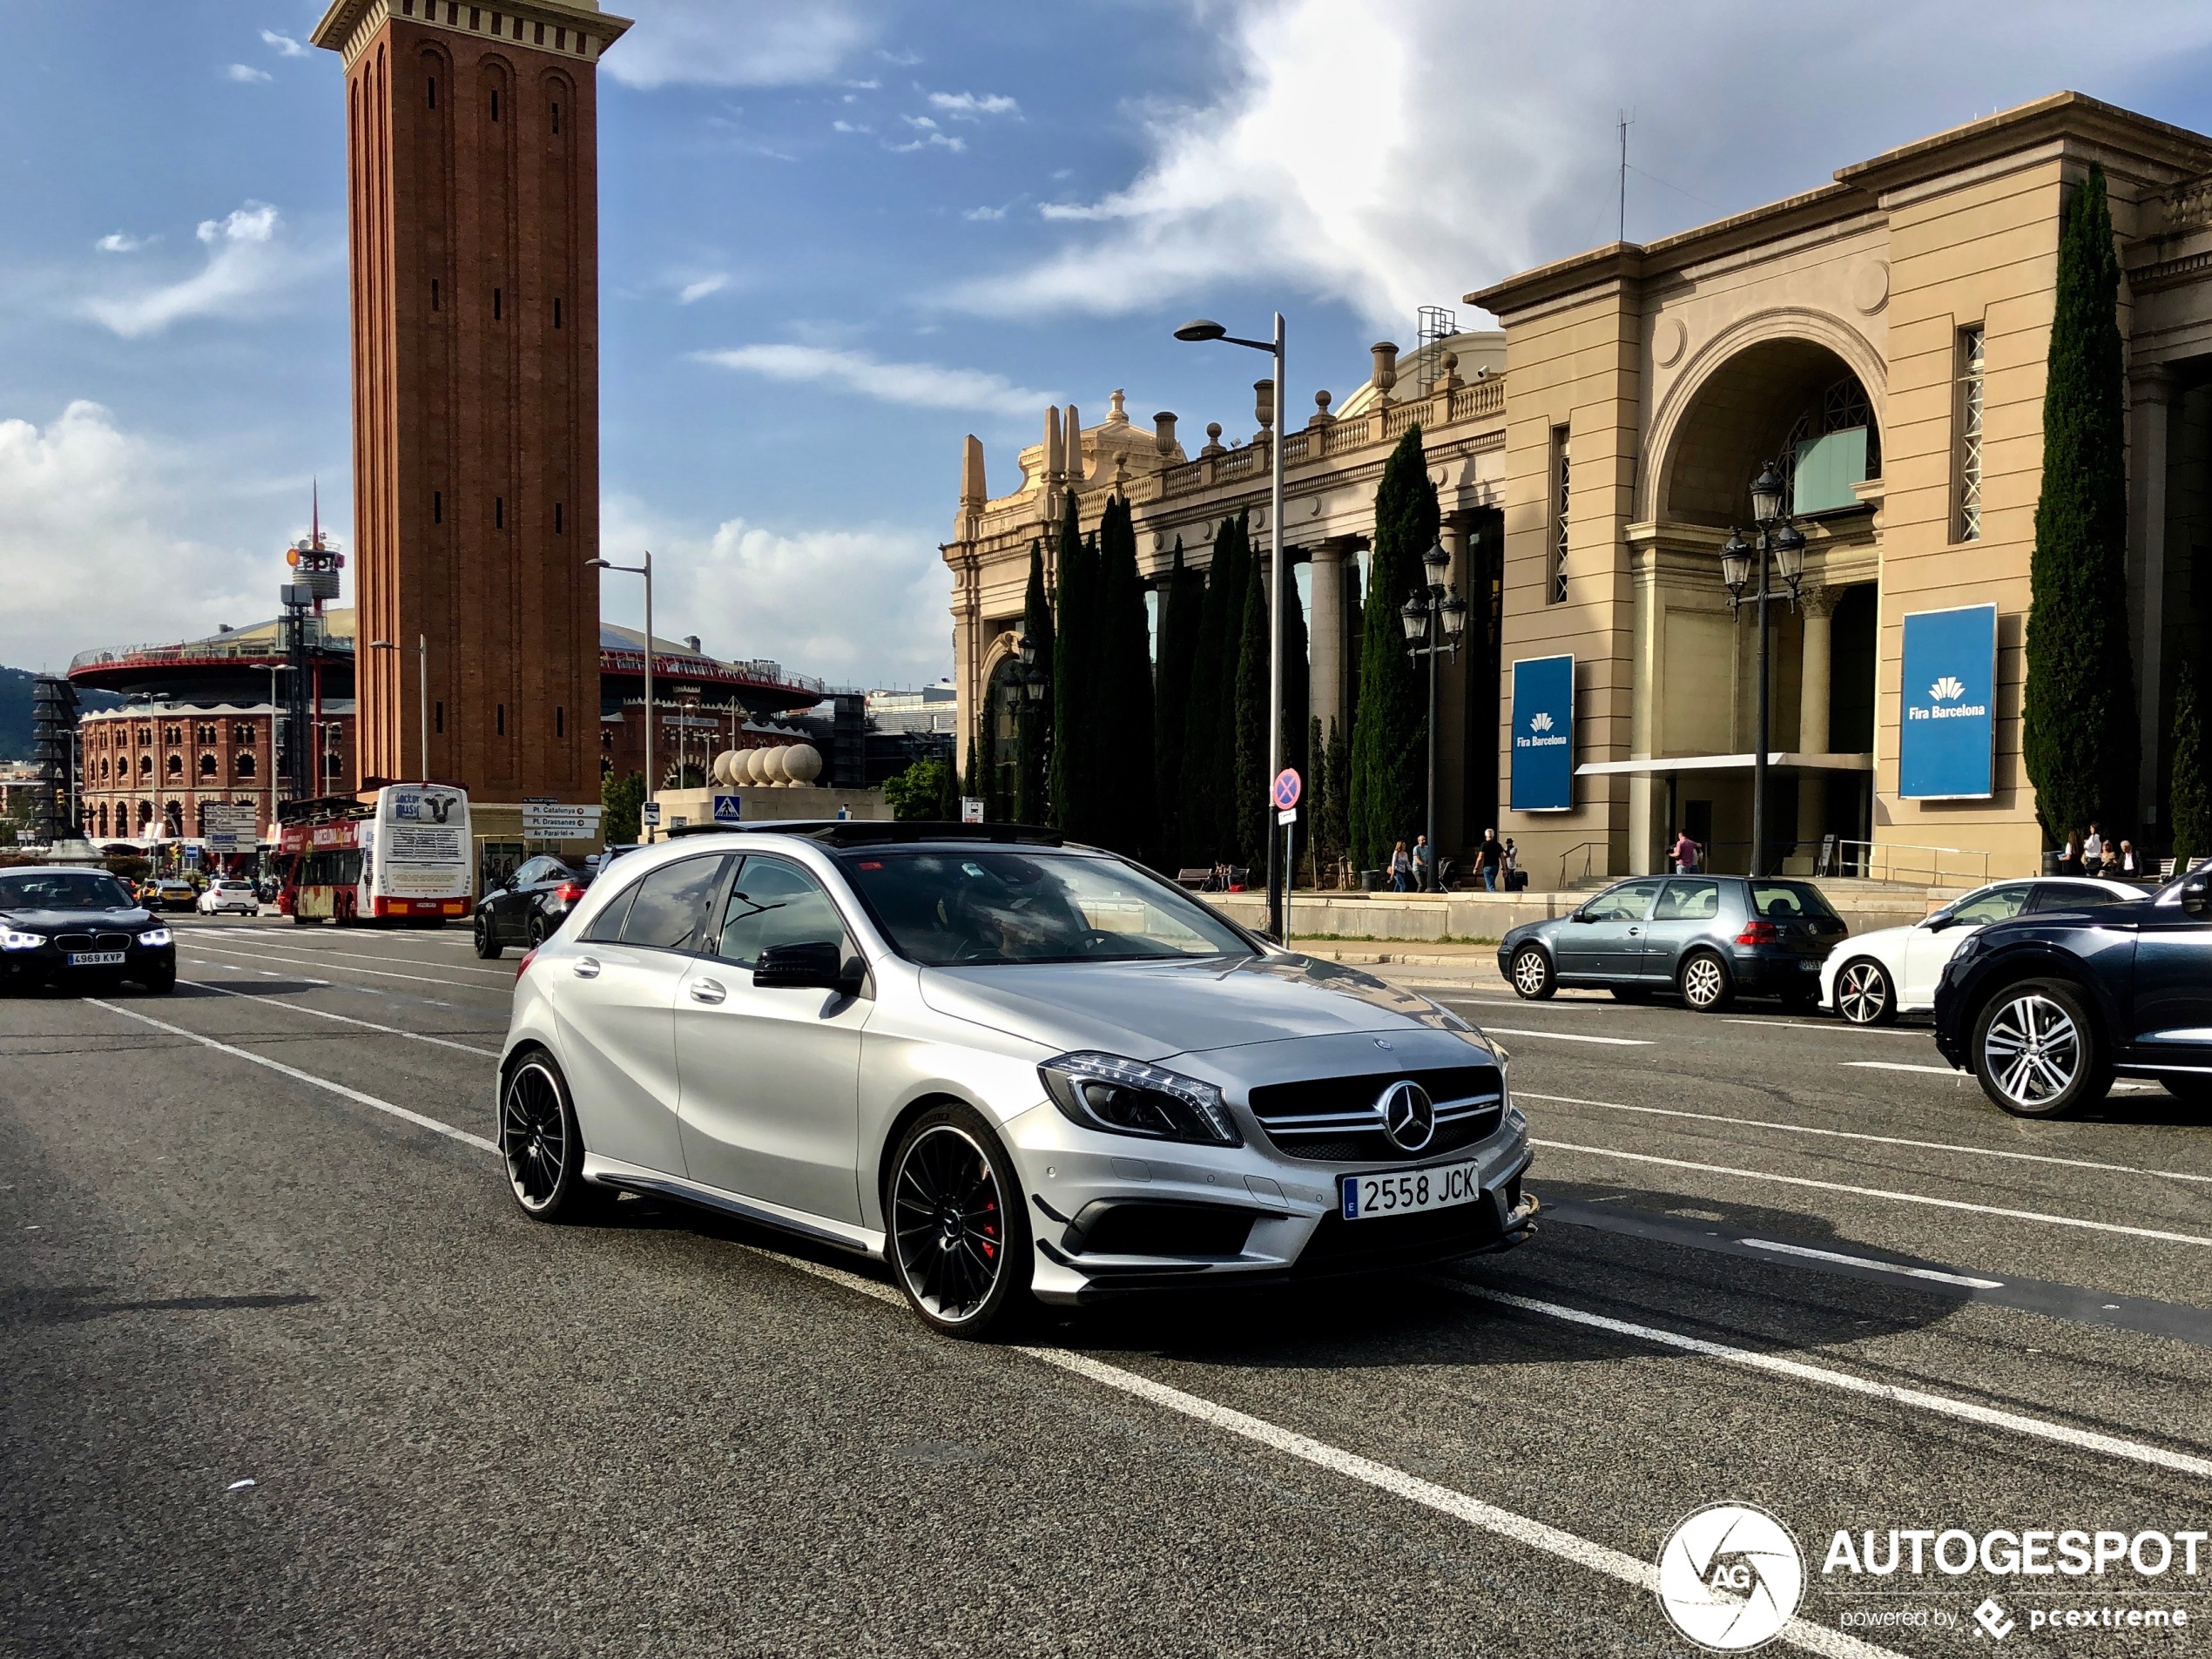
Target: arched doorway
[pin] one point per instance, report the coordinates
(1007, 705)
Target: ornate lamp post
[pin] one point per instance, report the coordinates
(645, 569)
(1434, 619)
(1780, 546)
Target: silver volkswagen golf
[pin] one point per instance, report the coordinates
(1011, 1068)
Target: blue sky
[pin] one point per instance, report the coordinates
(836, 238)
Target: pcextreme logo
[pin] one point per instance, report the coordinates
(1731, 1577)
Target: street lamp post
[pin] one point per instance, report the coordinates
(421, 693)
(1780, 546)
(645, 569)
(1272, 417)
(1434, 618)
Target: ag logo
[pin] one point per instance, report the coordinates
(1731, 1577)
(1408, 1115)
(1539, 721)
(1947, 687)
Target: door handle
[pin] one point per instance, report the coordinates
(587, 967)
(707, 990)
(1633, 931)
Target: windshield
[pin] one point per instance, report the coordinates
(62, 890)
(970, 904)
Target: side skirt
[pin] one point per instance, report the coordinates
(628, 1177)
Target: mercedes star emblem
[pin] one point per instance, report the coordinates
(1408, 1115)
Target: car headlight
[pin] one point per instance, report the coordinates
(156, 937)
(1104, 1091)
(13, 941)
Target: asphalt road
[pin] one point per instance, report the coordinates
(251, 1232)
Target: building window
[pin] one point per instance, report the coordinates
(437, 507)
(499, 512)
(433, 294)
(495, 104)
(243, 733)
(244, 765)
(556, 110)
(494, 304)
(1555, 588)
(205, 734)
(433, 91)
(207, 766)
(538, 40)
(1971, 365)
(438, 719)
(502, 719)
(556, 518)
(560, 722)
(556, 314)
(176, 765)
(145, 766)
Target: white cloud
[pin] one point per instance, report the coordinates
(284, 44)
(692, 292)
(861, 605)
(941, 140)
(927, 385)
(966, 106)
(714, 44)
(90, 550)
(921, 121)
(848, 126)
(984, 214)
(247, 73)
(1431, 191)
(123, 242)
(246, 262)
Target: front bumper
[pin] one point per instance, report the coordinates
(1773, 973)
(50, 965)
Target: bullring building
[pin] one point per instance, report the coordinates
(1882, 340)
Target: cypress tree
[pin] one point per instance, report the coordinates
(1298, 696)
(1211, 672)
(1125, 778)
(1032, 802)
(1181, 606)
(1075, 711)
(1355, 623)
(946, 805)
(1235, 583)
(1335, 769)
(2076, 733)
(976, 785)
(1248, 778)
(1389, 735)
(2190, 784)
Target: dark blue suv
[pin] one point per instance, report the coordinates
(1707, 937)
(2047, 1008)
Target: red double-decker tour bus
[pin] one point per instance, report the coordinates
(401, 858)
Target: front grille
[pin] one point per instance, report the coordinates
(1114, 1227)
(1333, 1119)
(92, 941)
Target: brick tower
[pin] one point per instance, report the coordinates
(471, 165)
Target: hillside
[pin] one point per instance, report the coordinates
(15, 710)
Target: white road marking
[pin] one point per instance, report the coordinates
(298, 1076)
(367, 956)
(1868, 1261)
(420, 979)
(366, 1025)
(1880, 1192)
(1943, 1406)
(1857, 1135)
(1572, 1036)
(1899, 1065)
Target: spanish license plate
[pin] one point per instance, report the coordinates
(1402, 1192)
(96, 959)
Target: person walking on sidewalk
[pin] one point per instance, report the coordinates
(1490, 860)
(1685, 853)
(1401, 868)
(1423, 860)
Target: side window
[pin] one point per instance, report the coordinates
(1688, 901)
(1999, 904)
(773, 902)
(606, 927)
(2069, 895)
(670, 909)
(532, 870)
(1629, 902)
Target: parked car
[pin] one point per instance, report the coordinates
(231, 895)
(2047, 1008)
(174, 892)
(1060, 1077)
(1712, 938)
(1876, 976)
(528, 906)
(81, 929)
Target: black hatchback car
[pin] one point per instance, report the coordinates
(2047, 1008)
(1709, 937)
(528, 906)
(80, 928)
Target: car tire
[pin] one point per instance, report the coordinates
(956, 1233)
(1865, 993)
(541, 1145)
(2037, 1051)
(487, 945)
(161, 981)
(1704, 981)
(298, 921)
(1533, 978)
(538, 931)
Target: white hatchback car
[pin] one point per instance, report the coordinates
(234, 896)
(1010, 1068)
(1872, 979)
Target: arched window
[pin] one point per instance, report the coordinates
(173, 816)
(244, 765)
(145, 766)
(242, 734)
(207, 766)
(176, 765)
(145, 815)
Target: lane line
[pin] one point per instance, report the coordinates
(298, 1076)
(420, 979)
(1941, 1405)
(342, 1019)
(1573, 1036)
(1880, 1192)
(1857, 1135)
(366, 956)
(1899, 1065)
(1868, 1261)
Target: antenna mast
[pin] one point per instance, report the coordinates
(1627, 120)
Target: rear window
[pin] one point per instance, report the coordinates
(670, 910)
(1790, 901)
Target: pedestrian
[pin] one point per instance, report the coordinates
(2092, 850)
(1401, 868)
(2070, 855)
(1424, 877)
(1490, 860)
(1685, 853)
(2126, 866)
(1510, 865)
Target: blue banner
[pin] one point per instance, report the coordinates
(1543, 735)
(1947, 721)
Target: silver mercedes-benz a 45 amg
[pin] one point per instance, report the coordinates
(1011, 1068)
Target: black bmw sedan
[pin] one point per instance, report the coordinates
(79, 928)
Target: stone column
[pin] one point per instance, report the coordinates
(2150, 389)
(1819, 605)
(1325, 647)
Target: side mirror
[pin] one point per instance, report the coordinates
(2197, 894)
(1938, 921)
(815, 966)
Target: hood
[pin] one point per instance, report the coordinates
(63, 921)
(1148, 1011)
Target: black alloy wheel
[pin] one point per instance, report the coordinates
(541, 1145)
(538, 930)
(1534, 980)
(1863, 993)
(958, 1242)
(1704, 982)
(487, 945)
(2036, 1050)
